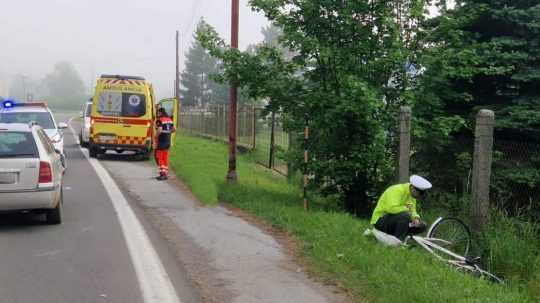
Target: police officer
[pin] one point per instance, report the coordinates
(395, 213)
(165, 127)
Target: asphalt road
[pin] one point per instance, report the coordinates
(85, 259)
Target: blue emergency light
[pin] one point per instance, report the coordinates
(8, 104)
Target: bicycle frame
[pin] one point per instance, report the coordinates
(459, 261)
(429, 245)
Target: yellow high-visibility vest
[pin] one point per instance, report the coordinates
(394, 200)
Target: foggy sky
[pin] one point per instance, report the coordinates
(134, 37)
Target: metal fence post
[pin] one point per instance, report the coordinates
(216, 121)
(225, 121)
(306, 158)
(253, 127)
(272, 141)
(290, 172)
(203, 121)
(404, 143)
(188, 112)
(483, 156)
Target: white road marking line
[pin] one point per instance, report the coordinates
(73, 131)
(156, 286)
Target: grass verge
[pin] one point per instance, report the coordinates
(331, 242)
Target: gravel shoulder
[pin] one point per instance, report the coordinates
(229, 255)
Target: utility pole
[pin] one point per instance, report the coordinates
(177, 80)
(231, 174)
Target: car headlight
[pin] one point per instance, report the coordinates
(56, 138)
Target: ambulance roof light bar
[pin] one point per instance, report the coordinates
(122, 77)
(10, 104)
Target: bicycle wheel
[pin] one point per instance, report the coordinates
(454, 235)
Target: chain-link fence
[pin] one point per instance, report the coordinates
(272, 143)
(514, 183)
(254, 131)
(516, 175)
(213, 122)
(448, 165)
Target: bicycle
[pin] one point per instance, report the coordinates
(449, 239)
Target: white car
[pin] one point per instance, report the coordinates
(37, 112)
(84, 136)
(31, 172)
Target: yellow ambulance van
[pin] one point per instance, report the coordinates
(123, 115)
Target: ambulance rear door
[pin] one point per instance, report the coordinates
(125, 112)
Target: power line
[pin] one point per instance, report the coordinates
(195, 13)
(184, 29)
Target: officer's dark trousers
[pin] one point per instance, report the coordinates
(398, 225)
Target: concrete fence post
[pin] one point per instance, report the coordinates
(483, 156)
(404, 143)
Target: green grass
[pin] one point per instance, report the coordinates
(514, 251)
(332, 244)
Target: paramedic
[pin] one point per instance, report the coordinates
(165, 128)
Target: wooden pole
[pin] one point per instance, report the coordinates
(177, 81)
(231, 174)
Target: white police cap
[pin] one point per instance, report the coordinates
(419, 182)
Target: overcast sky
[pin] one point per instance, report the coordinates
(134, 37)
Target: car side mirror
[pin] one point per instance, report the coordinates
(62, 125)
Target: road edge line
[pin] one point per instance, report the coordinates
(156, 285)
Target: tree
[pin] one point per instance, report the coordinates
(346, 80)
(23, 87)
(198, 89)
(66, 89)
(482, 54)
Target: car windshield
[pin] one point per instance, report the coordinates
(44, 119)
(17, 144)
(119, 104)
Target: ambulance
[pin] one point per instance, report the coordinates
(123, 115)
